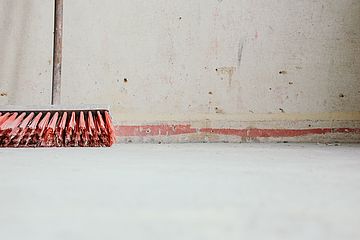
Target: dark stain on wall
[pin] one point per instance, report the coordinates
(240, 52)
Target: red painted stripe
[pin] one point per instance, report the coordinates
(153, 130)
(254, 132)
(170, 130)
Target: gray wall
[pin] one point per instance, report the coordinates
(212, 59)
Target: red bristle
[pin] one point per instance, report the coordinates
(34, 139)
(4, 117)
(93, 132)
(35, 122)
(97, 130)
(82, 124)
(38, 129)
(6, 127)
(22, 130)
(8, 122)
(17, 122)
(39, 133)
(11, 129)
(103, 131)
(44, 122)
(91, 123)
(49, 133)
(110, 128)
(84, 133)
(69, 141)
(27, 120)
(59, 132)
(100, 120)
(30, 130)
(77, 134)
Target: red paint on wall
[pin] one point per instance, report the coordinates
(153, 130)
(254, 132)
(170, 130)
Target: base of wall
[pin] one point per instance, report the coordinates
(171, 134)
(277, 128)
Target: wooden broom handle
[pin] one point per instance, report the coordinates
(57, 53)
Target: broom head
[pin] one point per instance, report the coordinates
(56, 127)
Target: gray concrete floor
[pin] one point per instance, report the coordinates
(190, 191)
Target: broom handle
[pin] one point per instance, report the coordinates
(57, 53)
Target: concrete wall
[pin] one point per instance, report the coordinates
(219, 64)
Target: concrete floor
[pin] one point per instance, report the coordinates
(191, 191)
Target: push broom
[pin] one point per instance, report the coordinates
(56, 125)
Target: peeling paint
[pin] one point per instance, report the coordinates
(248, 133)
(153, 130)
(255, 133)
